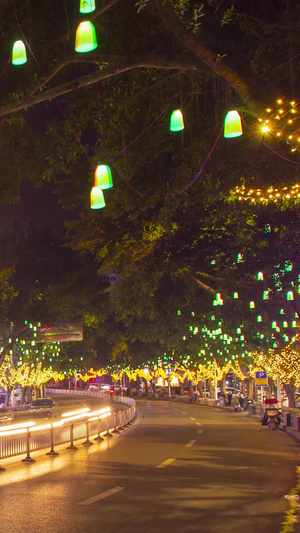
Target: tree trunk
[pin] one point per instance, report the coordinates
(200, 389)
(251, 389)
(146, 386)
(290, 391)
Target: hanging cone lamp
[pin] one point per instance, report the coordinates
(19, 56)
(103, 178)
(176, 121)
(87, 6)
(97, 198)
(86, 39)
(233, 125)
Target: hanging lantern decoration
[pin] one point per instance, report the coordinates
(285, 324)
(274, 325)
(235, 295)
(86, 39)
(87, 6)
(233, 125)
(19, 56)
(266, 295)
(215, 303)
(259, 318)
(290, 295)
(97, 198)
(103, 178)
(252, 305)
(260, 276)
(176, 121)
(282, 311)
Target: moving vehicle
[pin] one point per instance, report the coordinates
(6, 415)
(45, 407)
(272, 415)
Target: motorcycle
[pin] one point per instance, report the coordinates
(272, 416)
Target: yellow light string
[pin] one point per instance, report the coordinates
(281, 121)
(290, 194)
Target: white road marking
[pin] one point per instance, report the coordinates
(183, 412)
(192, 418)
(101, 496)
(198, 423)
(166, 462)
(199, 431)
(190, 444)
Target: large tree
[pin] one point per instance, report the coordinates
(167, 219)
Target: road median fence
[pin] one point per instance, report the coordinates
(25, 438)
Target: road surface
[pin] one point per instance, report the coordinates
(179, 468)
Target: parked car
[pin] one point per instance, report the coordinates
(6, 415)
(45, 407)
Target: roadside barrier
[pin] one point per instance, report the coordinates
(23, 439)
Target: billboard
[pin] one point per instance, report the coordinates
(62, 332)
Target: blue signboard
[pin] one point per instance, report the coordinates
(261, 379)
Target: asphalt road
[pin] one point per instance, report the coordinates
(179, 468)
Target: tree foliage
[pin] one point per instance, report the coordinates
(168, 229)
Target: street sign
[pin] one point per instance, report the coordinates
(261, 379)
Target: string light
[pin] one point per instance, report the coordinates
(290, 194)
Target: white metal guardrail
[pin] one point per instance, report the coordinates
(21, 439)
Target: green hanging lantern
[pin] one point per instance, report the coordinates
(87, 6)
(178, 312)
(259, 318)
(274, 325)
(282, 311)
(215, 303)
(285, 324)
(235, 295)
(97, 198)
(266, 295)
(176, 121)
(252, 305)
(260, 276)
(290, 295)
(233, 125)
(103, 178)
(86, 39)
(19, 56)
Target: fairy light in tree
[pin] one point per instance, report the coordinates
(282, 122)
(286, 194)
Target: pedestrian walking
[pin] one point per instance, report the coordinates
(236, 404)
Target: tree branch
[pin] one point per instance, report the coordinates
(118, 66)
(209, 44)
